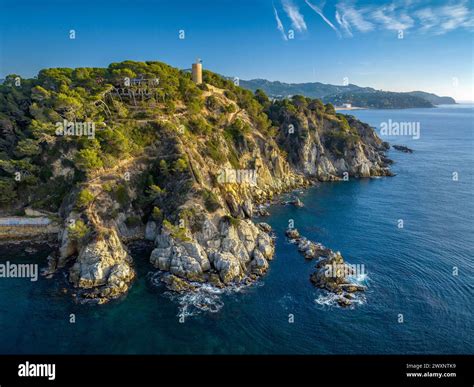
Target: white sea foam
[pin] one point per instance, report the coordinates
(359, 279)
(206, 298)
(329, 300)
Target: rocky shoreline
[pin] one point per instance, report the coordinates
(190, 177)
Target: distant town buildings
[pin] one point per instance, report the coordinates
(197, 72)
(347, 105)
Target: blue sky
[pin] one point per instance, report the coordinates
(286, 40)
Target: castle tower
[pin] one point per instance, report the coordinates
(197, 72)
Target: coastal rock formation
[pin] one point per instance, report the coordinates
(332, 272)
(187, 168)
(316, 149)
(232, 251)
(103, 265)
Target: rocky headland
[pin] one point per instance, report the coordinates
(187, 168)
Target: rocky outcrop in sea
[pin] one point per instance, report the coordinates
(332, 273)
(225, 255)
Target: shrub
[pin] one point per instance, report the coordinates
(230, 94)
(210, 200)
(337, 141)
(132, 221)
(108, 187)
(7, 191)
(155, 191)
(230, 108)
(175, 231)
(27, 147)
(156, 214)
(84, 198)
(212, 103)
(170, 107)
(121, 194)
(88, 159)
(329, 109)
(180, 165)
(214, 151)
(316, 105)
(262, 98)
(164, 169)
(234, 222)
(199, 125)
(237, 131)
(194, 107)
(78, 230)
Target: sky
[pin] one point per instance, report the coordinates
(400, 45)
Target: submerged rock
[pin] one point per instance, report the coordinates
(297, 203)
(402, 148)
(292, 233)
(177, 284)
(262, 211)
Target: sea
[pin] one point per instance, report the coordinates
(413, 233)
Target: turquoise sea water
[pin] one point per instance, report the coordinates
(409, 271)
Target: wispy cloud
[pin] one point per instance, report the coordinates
(345, 26)
(391, 18)
(404, 15)
(442, 19)
(354, 18)
(297, 19)
(280, 24)
(320, 13)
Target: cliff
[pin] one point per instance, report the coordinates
(162, 159)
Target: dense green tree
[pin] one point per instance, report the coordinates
(88, 159)
(329, 109)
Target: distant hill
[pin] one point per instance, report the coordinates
(433, 98)
(357, 96)
(378, 100)
(310, 89)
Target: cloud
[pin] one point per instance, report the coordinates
(442, 19)
(320, 13)
(354, 18)
(345, 26)
(280, 24)
(391, 18)
(404, 15)
(297, 19)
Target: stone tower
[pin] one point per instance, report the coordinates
(197, 72)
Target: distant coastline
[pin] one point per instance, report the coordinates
(349, 108)
(348, 94)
